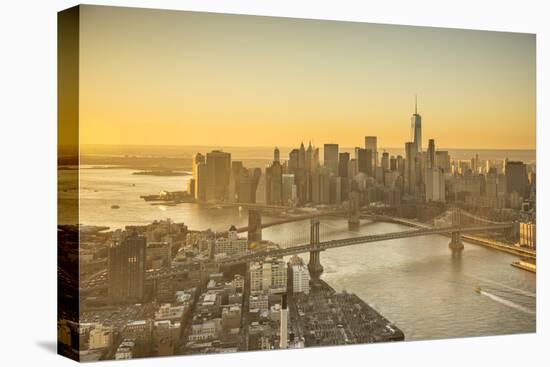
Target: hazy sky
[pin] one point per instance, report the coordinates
(182, 78)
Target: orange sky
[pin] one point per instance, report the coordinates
(182, 78)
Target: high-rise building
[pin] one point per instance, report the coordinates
(302, 156)
(431, 154)
(261, 190)
(364, 161)
(393, 163)
(320, 187)
(276, 155)
(331, 158)
(410, 168)
(336, 189)
(197, 159)
(218, 167)
(435, 185)
(274, 181)
(289, 189)
(293, 160)
(199, 176)
(343, 159)
(443, 160)
(385, 161)
(246, 187)
(371, 143)
(126, 268)
(416, 128)
(516, 178)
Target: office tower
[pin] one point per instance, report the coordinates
(199, 177)
(516, 178)
(443, 160)
(289, 189)
(320, 187)
(343, 159)
(352, 168)
(283, 340)
(385, 161)
(261, 189)
(331, 158)
(236, 167)
(309, 158)
(293, 160)
(431, 154)
(400, 165)
(276, 155)
(201, 182)
(435, 185)
(246, 187)
(364, 161)
(393, 163)
(302, 156)
(196, 160)
(315, 161)
(126, 269)
(191, 187)
(416, 127)
(336, 189)
(218, 167)
(371, 143)
(410, 168)
(274, 181)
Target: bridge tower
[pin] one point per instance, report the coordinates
(315, 268)
(254, 225)
(353, 220)
(456, 241)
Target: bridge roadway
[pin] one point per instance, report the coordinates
(326, 245)
(297, 218)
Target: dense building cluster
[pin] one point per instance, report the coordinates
(366, 175)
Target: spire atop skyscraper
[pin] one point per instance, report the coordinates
(416, 126)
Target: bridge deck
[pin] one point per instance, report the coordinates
(361, 240)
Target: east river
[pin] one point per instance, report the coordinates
(415, 282)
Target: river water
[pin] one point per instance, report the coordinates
(415, 282)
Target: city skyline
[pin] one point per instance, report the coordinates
(239, 183)
(475, 88)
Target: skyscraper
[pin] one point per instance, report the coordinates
(343, 159)
(385, 161)
(371, 143)
(274, 181)
(126, 269)
(410, 168)
(416, 127)
(276, 155)
(218, 169)
(431, 154)
(293, 160)
(516, 178)
(364, 161)
(199, 192)
(331, 158)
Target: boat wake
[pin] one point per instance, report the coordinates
(508, 303)
(515, 290)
